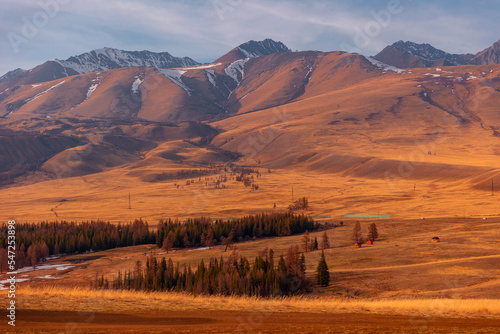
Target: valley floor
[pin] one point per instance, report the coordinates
(403, 283)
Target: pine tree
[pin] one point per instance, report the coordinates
(305, 241)
(373, 232)
(303, 264)
(322, 273)
(325, 242)
(315, 244)
(356, 233)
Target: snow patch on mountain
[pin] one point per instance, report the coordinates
(136, 84)
(95, 83)
(45, 91)
(248, 54)
(384, 66)
(201, 67)
(211, 77)
(91, 90)
(108, 59)
(175, 75)
(236, 71)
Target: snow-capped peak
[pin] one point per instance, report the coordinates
(109, 58)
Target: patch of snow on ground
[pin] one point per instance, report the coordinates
(34, 86)
(136, 84)
(438, 70)
(471, 77)
(44, 267)
(432, 75)
(48, 277)
(201, 248)
(384, 66)
(64, 267)
(175, 75)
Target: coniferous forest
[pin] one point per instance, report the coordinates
(235, 276)
(35, 242)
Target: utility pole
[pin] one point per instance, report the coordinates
(129, 201)
(492, 188)
(292, 194)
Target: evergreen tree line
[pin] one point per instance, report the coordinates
(235, 276)
(35, 242)
(205, 232)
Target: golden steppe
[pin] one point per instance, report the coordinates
(420, 146)
(402, 281)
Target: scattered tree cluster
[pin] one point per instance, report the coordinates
(309, 245)
(205, 232)
(231, 277)
(300, 204)
(35, 253)
(247, 179)
(357, 236)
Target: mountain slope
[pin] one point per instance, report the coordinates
(411, 55)
(194, 93)
(488, 56)
(96, 60)
(11, 74)
(253, 49)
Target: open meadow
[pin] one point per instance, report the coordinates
(417, 285)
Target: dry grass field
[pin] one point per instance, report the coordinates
(401, 282)
(84, 311)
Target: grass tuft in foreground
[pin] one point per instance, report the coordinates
(87, 300)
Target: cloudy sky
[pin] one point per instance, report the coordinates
(33, 31)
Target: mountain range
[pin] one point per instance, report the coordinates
(410, 55)
(400, 54)
(351, 119)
